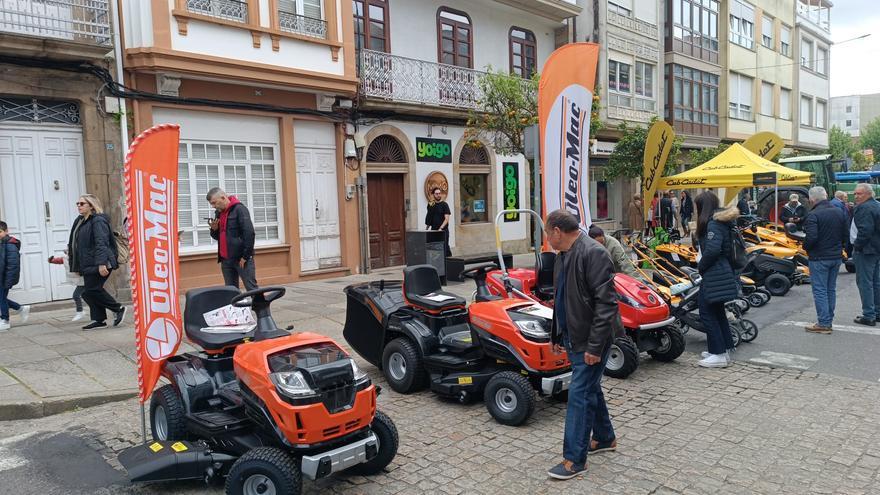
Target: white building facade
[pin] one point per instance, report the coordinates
(813, 54)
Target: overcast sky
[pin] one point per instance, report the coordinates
(854, 67)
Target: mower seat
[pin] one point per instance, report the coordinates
(199, 302)
(545, 285)
(422, 290)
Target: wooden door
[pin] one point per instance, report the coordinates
(386, 216)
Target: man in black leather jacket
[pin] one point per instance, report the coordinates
(234, 232)
(585, 322)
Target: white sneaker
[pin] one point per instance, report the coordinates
(705, 354)
(78, 316)
(24, 313)
(726, 355)
(714, 361)
(4, 325)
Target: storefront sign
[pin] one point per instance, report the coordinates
(433, 150)
(510, 174)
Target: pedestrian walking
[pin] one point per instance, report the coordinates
(74, 278)
(687, 211)
(666, 211)
(719, 283)
(865, 237)
(622, 263)
(676, 212)
(793, 211)
(635, 215)
(10, 273)
(654, 220)
(826, 230)
(439, 217)
(743, 204)
(585, 322)
(840, 201)
(234, 232)
(92, 252)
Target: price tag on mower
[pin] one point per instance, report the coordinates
(465, 380)
(156, 447)
(178, 447)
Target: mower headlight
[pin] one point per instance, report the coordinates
(533, 330)
(292, 384)
(630, 301)
(359, 376)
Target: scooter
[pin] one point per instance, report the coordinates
(644, 314)
(260, 406)
(420, 336)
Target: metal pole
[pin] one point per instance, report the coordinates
(143, 423)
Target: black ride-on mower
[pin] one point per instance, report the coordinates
(419, 336)
(261, 406)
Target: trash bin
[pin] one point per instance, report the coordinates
(427, 247)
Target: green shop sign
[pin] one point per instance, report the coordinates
(434, 150)
(510, 173)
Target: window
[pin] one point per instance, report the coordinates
(619, 9)
(806, 111)
(766, 99)
(849, 123)
(740, 96)
(742, 24)
(767, 32)
(822, 60)
(248, 171)
(455, 38)
(302, 17)
(472, 191)
(820, 114)
(371, 25)
(619, 82)
(523, 52)
(307, 8)
(785, 40)
(784, 103)
(695, 23)
(849, 109)
(807, 54)
(694, 96)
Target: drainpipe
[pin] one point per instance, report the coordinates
(117, 54)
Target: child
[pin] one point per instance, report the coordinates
(73, 278)
(10, 270)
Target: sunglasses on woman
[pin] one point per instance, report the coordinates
(81, 203)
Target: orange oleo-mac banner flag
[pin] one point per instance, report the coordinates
(565, 101)
(151, 201)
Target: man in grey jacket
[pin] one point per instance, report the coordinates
(865, 237)
(585, 322)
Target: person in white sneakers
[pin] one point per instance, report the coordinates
(718, 286)
(74, 278)
(10, 273)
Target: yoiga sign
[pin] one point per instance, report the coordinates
(433, 150)
(510, 178)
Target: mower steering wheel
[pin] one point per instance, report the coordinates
(478, 270)
(262, 294)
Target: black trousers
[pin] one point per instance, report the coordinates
(98, 299)
(232, 271)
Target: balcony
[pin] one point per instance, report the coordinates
(817, 12)
(635, 25)
(300, 24)
(79, 21)
(555, 10)
(230, 10)
(416, 82)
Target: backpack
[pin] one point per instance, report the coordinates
(120, 248)
(738, 256)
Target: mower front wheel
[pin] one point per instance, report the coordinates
(623, 358)
(777, 284)
(510, 398)
(403, 366)
(265, 470)
(167, 415)
(388, 440)
(671, 344)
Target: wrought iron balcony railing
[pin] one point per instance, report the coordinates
(300, 24)
(86, 21)
(407, 80)
(231, 10)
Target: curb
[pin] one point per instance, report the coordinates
(49, 407)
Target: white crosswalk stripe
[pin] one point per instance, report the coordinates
(8, 460)
(783, 360)
(841, 328)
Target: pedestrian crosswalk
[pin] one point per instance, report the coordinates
(837, 328)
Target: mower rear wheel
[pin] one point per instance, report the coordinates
(623, 358)
(265, 471)
(167, 415)
(510, 398)
(777, 284)
(748, 330)
(388, 440)
(403, 366)
(671, 344)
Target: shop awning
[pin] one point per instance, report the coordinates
(736, 167)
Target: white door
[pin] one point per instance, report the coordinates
(318, 195)
(41, 176)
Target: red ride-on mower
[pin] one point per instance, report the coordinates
(498, 349)
(649, 326)
(261, 407)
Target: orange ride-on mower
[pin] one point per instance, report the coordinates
(261, 407)
(419, 336)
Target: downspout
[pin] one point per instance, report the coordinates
(115, 18)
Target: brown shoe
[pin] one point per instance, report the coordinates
(816, 328)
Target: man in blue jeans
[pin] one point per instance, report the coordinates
(585, 322)
(865, 236)
(826, 231)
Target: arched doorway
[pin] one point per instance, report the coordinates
(387, 165)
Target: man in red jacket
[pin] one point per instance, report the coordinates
(234, 232)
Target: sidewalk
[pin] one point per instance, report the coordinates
(50, 365)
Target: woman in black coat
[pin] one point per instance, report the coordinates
(718, 284)
(92, 254)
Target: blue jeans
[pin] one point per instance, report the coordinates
(713, 316)
(868, 282)
(6, 303)
(823, 280)
(587, 411)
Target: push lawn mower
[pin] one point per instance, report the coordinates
(418, 335)
(262, 406)
(644, 314)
